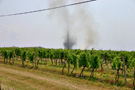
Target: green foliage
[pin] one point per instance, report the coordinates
(5, 54)
(44, 54)
(84, 60)
(31, 57)
(75, 60)
(10, 54)
(61, 54)
(65, 54)
(18, 52)
(131, 64)
(24, 56)
(40, 53)
(48, 53)
(94, 62)
(70, 58)
(56, 54)
(117, 63)
(51, 54)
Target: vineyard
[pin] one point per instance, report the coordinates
(105, 66)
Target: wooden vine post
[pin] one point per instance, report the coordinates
(35, 58)
(125, 78)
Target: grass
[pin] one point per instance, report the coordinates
(102, 80)
(27, 83)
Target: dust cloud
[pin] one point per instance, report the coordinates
(74, 20)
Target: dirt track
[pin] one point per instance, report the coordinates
(62, 83)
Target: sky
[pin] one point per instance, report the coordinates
(113, 23)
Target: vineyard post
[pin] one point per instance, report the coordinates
(68, 67)
(35, 57)
(124, 69)
(4, 59)
(59, 59)
(134, 79)
(13, 58)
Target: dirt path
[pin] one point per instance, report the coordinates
(34, 76)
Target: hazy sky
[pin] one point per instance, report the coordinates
(114, 24)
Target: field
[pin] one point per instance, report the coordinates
(48, 76)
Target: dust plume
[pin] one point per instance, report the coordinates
(63, 16)
(69, 41)
(74, 20)
(86, 26)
